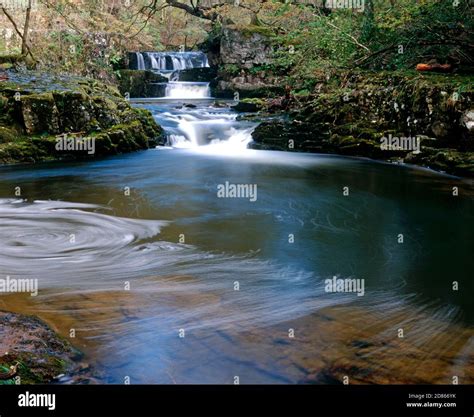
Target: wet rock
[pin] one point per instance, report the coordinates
(247, 85)
(249, 105)
(206, 74)
(445, 160)
(138, 83)
(290, 136)
(39, 353)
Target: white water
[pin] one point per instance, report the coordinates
(140, 61)
(198, 124)
(171, 61)
(187, 90)
(169, 65)
(202, 126)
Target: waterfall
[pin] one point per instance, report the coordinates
(187, 90)
(184, 108)
(196, 124)
(203, 126)
(140, 61)
(171, 61)
(169, 65)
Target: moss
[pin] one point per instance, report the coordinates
(39, 353)
(7, 134)
(356, 109)
(151, 129)
(250, 30)
(40, 114)
(250, 105)
(6, 66)
(29, 126)
(11, 59)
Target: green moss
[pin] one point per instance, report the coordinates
(7, 134)
(28, 126)
(250, 105)
(11, 59)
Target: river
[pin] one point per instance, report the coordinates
(165, 281)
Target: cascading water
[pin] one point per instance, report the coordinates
(187, 90)
(185, 111)
(169, 65)
(140, 61)
(171, 61)
(202, 125)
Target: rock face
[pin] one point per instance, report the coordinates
(36, 109)
(40, 114)
(355, 113)
(242, 49)
(139, 83)
(245, 47)
(247, 85)
(206, 74)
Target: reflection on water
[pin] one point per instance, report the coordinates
(225, 272)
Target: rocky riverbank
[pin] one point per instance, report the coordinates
(38, 109)
(32, 353)
(426, 120)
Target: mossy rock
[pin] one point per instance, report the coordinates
(41, 355)
(40, 114)
(11, 59)
(7, 134)
(31, 122)
(249, 105)
(249, 30)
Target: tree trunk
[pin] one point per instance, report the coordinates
(24, 40)
(17, 30)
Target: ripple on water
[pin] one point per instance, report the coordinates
(78, 247)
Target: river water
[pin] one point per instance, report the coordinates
(165, 281)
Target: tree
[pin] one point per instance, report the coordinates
(25, 48)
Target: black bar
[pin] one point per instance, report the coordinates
(241, 400)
